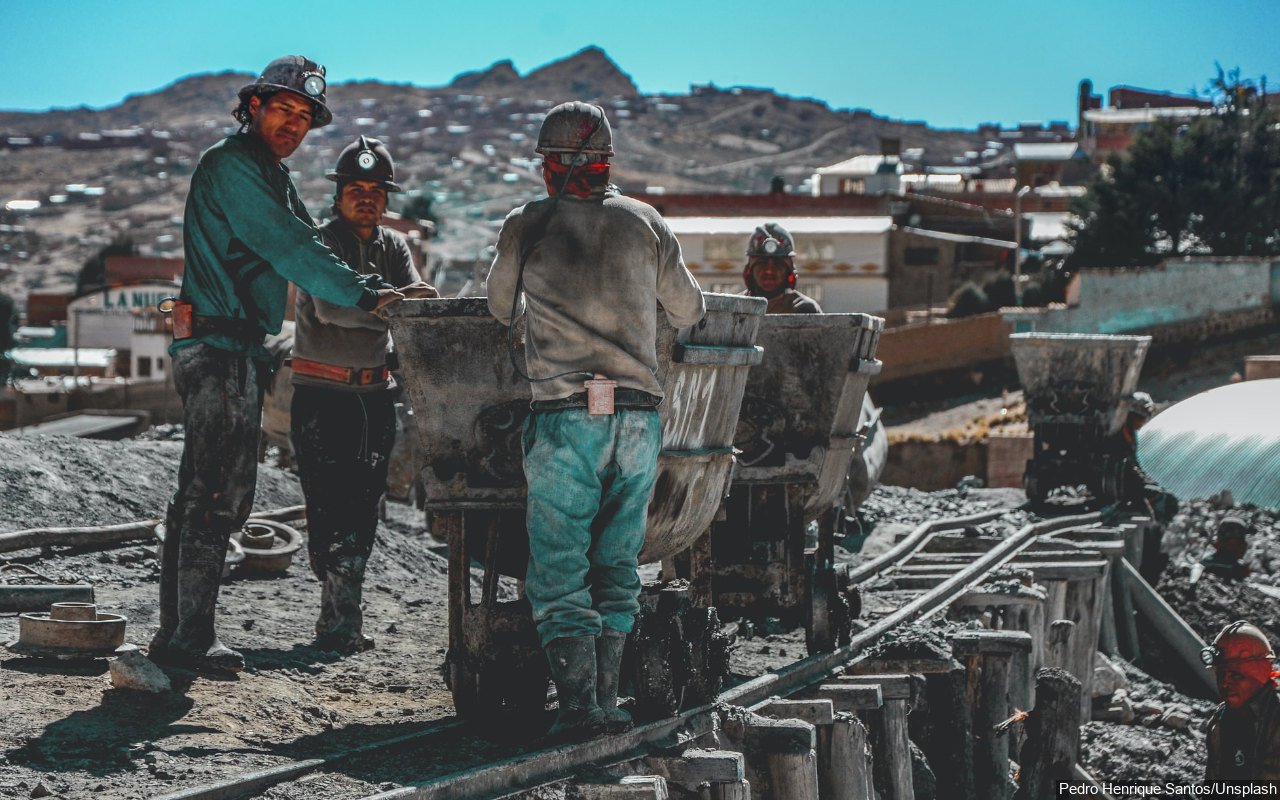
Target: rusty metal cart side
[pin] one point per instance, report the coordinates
(1077, 389)
(798, 433)
(470, 408)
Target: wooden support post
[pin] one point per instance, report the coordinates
(848, 743)
(890, 745)
(1126, 623)
(987, 655)
(781, 759)
(948, 740)
(1058, 648)
(1020, 611)
(632, 787)
(717, 774)
(1053, 736)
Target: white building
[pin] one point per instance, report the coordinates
(125, 318)
(842, 262)
(859, 175)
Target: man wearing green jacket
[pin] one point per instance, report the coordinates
(246, 236)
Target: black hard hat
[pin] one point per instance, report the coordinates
(771, 240)
(366, 159)
(296, 74)
(576, 127)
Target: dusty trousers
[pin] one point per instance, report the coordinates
(342, 442)
(222, 417)
(590, 479)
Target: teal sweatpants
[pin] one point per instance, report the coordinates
(590, 480)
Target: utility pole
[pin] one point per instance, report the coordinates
(1017, 244)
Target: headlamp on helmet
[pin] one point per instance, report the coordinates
(1238, 642)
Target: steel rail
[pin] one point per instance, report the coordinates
(528, 770)
(533, 769)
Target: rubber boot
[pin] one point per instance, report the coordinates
(341, 621)
(194, 644)
(609, 646)
(168, 580)
(573, 669)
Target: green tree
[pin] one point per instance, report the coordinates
(1209, 187)
(93, 273)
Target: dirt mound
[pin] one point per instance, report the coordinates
(48, 481)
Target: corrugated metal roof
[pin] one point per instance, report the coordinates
(1225, 438)
(796, 225)
(62, 356)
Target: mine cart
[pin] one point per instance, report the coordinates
(1078, 389)
(470, 406)
(798, 434)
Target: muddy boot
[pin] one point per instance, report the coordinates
(194, 644)
(341, 621)
(573, 668)
(609, 645)
(168, 580)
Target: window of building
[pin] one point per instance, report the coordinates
(160, 365)
(920, 256)
(144, 366)
(852, 186)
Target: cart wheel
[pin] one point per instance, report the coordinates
(830, 613)
(465, 686)
(659, 665)
(1031, 485)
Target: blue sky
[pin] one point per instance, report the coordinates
(947, 62)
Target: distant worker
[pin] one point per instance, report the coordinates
(1230, 545)
(1244, 732)
(246, 235)
(771, 271)
(343, 417)
(588, 267)
(1135, 486)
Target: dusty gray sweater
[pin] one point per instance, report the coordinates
(591, 290)
(350, 337)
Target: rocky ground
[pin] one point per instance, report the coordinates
(68, 732)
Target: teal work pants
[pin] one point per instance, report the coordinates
(590, 480)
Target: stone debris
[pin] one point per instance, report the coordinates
(132, 670)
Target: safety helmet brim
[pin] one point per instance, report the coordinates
(339, 177)
(320, 114)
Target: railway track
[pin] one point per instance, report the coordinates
(938, 566)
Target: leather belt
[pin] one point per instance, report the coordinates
(348, 375)
(227, 326)
(622, 398)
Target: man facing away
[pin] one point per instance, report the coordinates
(246, 235)
(589, 268)
(1243, 739)
(343, 417)
(771, 271)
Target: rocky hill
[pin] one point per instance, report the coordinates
(465, 146)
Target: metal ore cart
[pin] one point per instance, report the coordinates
(799, 433)
(470, 407)
(1077, 389)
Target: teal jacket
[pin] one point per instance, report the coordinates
(245, 236)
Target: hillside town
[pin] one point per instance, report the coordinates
(901, 470)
